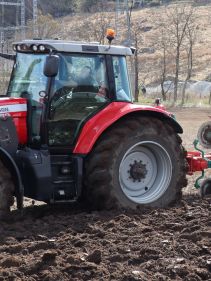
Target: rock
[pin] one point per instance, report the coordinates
(140, 274)
(79, 243)
(12, 262)
(49, 256)
(42, 237)
(95, 257)
(208, 262)
(117, 258)
(100, 234)
(51, 240)
(25, 252)
(203, 273)
(180, 260)
(87, 273)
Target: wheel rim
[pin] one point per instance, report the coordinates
(145, 172)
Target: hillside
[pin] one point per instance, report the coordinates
(91, 26)
(78, 27)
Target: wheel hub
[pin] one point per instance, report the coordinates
(145, 172)
(137, 171)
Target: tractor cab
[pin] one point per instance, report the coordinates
(65, 83)
(57, 88)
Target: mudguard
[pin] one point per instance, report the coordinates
(9, 162)
(95, 126)
(8, 135)
(8, 148)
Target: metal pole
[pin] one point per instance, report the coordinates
(23, 20)
(128, 23)
(35, 18)
(2, 24)
(2, 42)
(117, 17)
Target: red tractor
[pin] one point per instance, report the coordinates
(70, 131)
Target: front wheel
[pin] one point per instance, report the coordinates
(7, 189)
(138, 162)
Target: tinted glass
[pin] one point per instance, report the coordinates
(28, 76)
(121, 79)
(80, 90)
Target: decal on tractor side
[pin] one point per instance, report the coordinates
(13, 108)
(4, 109)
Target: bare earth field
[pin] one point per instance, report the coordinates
(70, 243)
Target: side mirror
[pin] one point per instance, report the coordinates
(51, 66)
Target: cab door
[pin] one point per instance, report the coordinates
(76, 96)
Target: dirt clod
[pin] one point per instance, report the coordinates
(49, 256)
(95, 257)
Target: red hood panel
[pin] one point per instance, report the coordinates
(17, 109)
(13, 106)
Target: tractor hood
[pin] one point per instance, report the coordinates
(17, 109)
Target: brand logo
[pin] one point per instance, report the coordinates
(4, 109)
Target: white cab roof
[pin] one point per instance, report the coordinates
(80, 47)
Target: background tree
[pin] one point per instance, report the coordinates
(87, 5)
(174, 41)
(91, 26)
(137, 30)
(162, 44)
(178, 18)
(191, 35)
(47, 27)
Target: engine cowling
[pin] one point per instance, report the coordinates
(17, 109)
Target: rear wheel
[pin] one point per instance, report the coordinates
(205, 188)
(138, 162)
(204, 134)
(6, 191)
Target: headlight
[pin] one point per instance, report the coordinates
(34, 48)
(41, 48)
(18, 48)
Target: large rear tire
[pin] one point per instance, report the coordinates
(6, 191)
(139, 162)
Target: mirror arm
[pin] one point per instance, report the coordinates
(7, 56)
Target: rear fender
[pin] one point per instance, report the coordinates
(111, 114)
(10, 164)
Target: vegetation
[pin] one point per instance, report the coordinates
(167, 39)
(65, 7)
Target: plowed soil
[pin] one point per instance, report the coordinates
(71, 243)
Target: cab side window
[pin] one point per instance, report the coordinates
(121, 79)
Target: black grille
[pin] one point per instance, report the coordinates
(64, 185)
